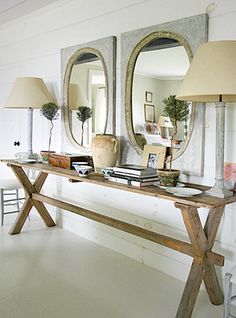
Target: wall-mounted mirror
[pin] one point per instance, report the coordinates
(88, 73)
(160, 66)
(154, 62)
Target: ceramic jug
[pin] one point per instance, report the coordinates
(104, 151)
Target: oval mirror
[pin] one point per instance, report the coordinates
(88, 90)
(160, 63)
(87, 98)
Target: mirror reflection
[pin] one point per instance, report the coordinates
(159, 69)
(87, 98)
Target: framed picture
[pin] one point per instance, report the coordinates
(148, 97)
(154, 156)
(149, 112)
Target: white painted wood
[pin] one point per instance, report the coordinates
(30, 46)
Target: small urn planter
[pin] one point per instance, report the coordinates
(168, 178)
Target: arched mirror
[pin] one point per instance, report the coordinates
(154, 60)
(158, 63)
(88, 91)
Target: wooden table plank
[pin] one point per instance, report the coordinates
(202, 200)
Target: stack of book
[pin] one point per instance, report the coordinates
(134, 175)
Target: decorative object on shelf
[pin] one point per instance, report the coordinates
(50, 112)
(211, 78)
(148, 97)
(107, 171)
(154, 156)
(45, 154)
(230, 176)
(152, 128)
(165, 123)
(83, 171)
(149, 112)
(104, 151)
(83, 114)
(167, 177)
(66, 161)
(183, 192)
(30, 93)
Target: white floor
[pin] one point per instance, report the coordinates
(54, 273)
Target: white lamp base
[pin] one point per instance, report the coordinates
(219, 193)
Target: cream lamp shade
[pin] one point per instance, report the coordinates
(76, 97)
(28, 92)
(211, 77)
(165, 122)
(31, 93)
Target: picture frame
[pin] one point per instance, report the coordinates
(149, 113)
(148, 97)
(154, 156)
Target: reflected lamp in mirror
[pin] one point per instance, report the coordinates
(165, 123)
(76, 97)
(30, 93)
(211, 78)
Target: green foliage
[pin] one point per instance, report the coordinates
(50, 111)
(84, 113)
(177, 110)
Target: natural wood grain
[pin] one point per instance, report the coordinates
(201, 238)
(21, 217)
(198, 201)
(191, 290)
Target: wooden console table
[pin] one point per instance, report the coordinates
(201, 237)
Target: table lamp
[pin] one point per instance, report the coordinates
(76, 97)
(30, 93)
(211, 77)
(165, 123)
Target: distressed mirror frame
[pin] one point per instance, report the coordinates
(191, 33)
(105, 49)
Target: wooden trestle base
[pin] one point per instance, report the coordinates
(201, 237)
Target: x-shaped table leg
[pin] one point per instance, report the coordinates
(202, 266)
(29, 202)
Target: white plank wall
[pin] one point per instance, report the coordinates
(30, 46)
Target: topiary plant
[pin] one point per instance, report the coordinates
(50, 111)
(177, 111)
(84, 113)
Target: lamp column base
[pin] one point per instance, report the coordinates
(219, 192)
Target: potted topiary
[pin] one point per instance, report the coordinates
(49, 111)
(177, 111)
(83, 114)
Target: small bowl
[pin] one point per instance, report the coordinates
(83, 171)
(107, 171)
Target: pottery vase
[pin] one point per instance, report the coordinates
(104, 151)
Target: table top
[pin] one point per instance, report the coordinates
(201, 200)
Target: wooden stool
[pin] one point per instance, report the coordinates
(9, 196)
(230, 279)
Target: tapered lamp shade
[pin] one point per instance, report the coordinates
(212, 74)
(76, 97)
(211, 77)
(28, 92)
(165, 122)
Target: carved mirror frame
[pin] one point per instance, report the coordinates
(190, 32)
(105, 50)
